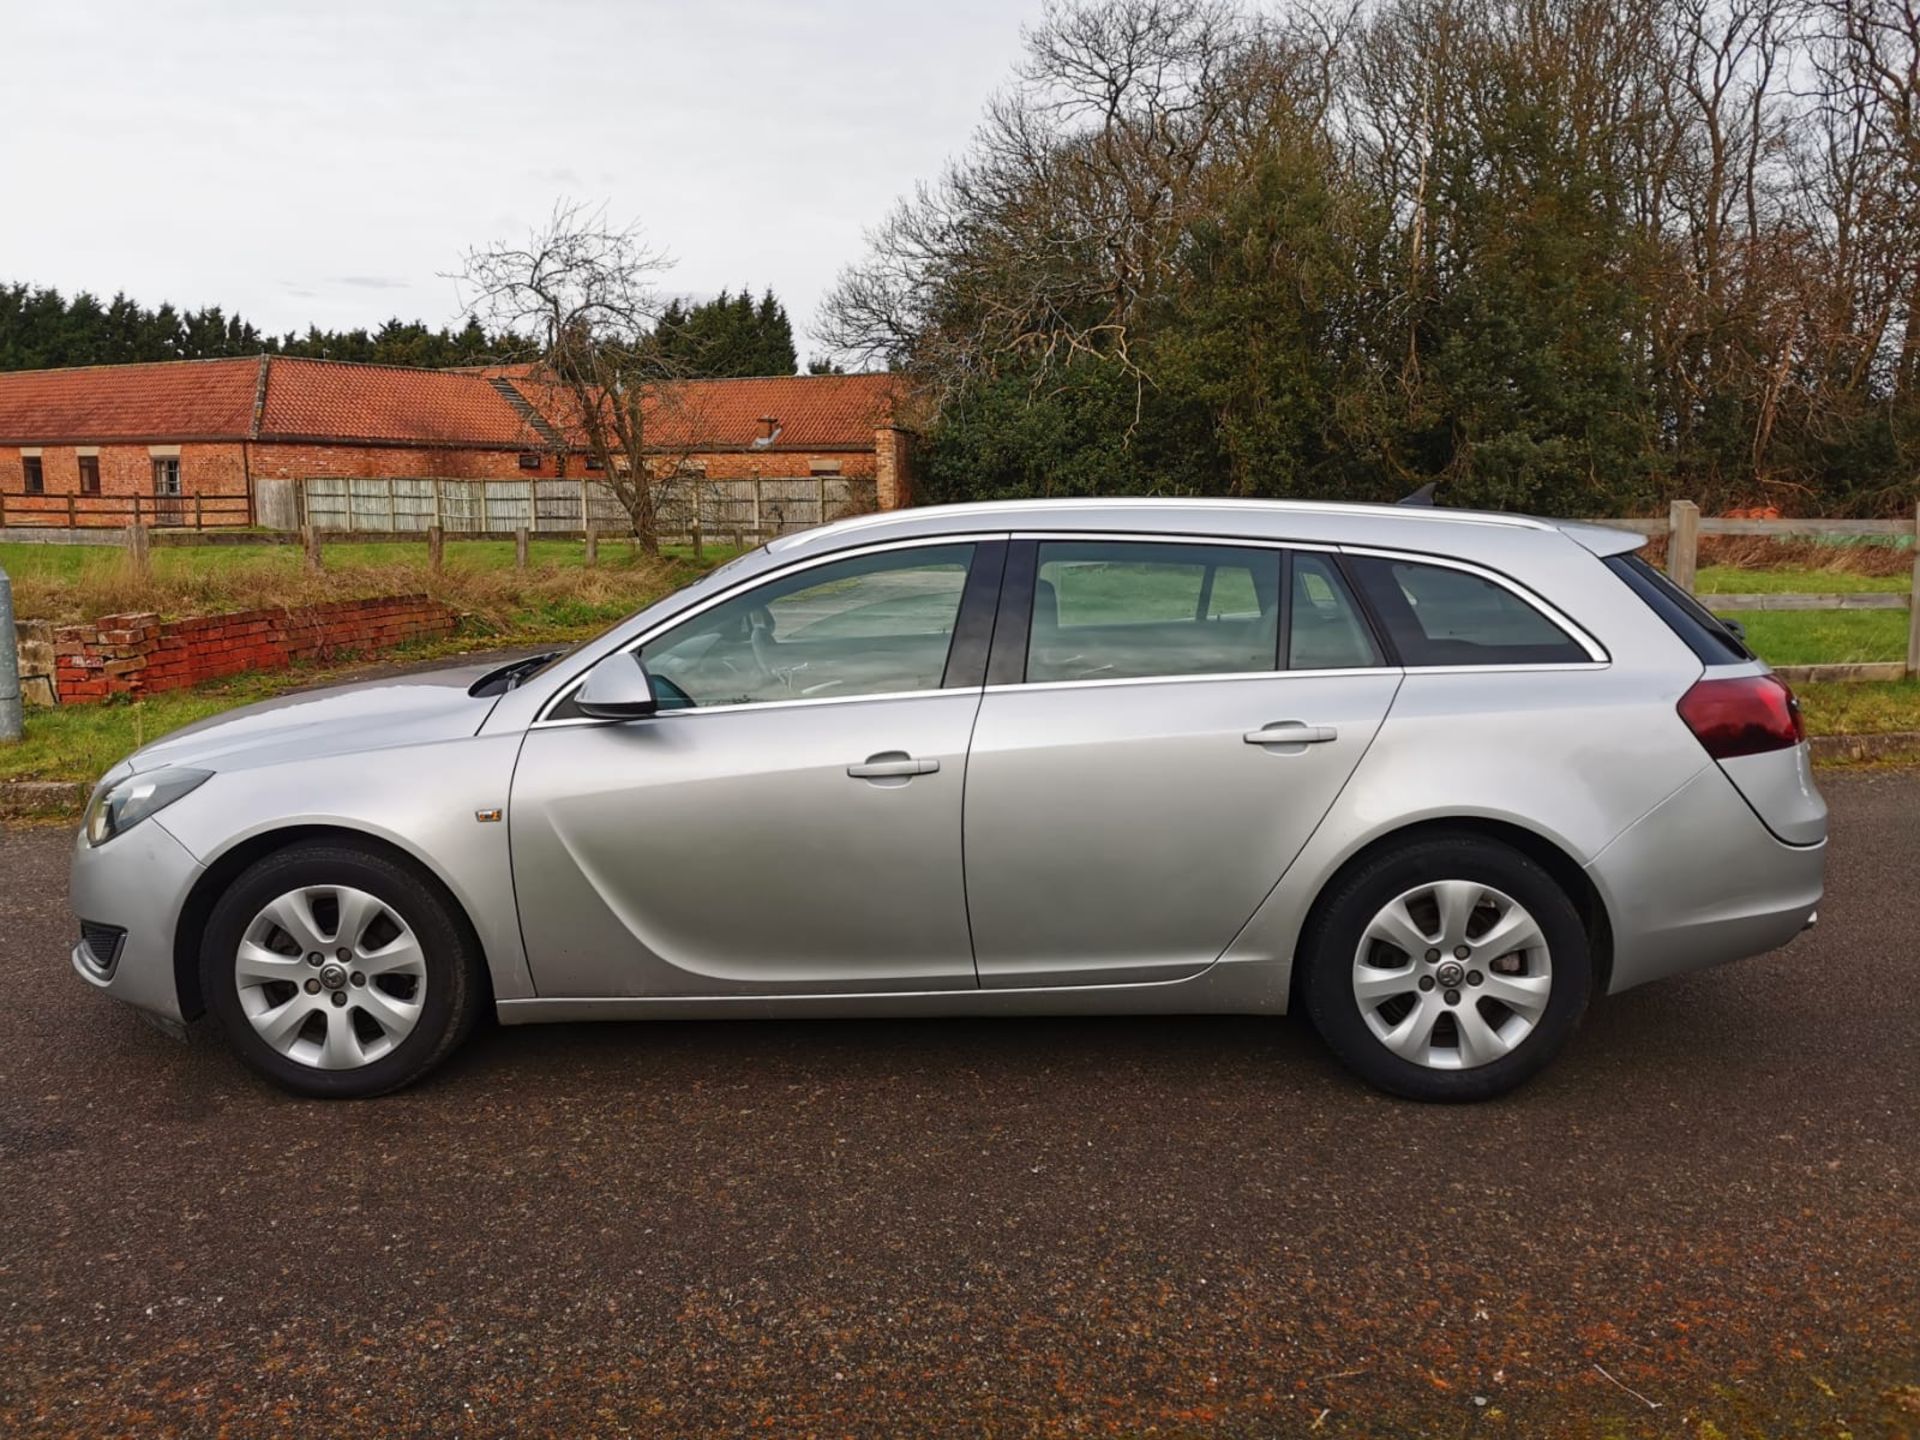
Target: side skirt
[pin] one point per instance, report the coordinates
(1224, 989)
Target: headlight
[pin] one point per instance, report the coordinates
(120, 807)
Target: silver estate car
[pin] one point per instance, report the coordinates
(1435, 777)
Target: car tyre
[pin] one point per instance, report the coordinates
(402, 1023)
(1371, 983)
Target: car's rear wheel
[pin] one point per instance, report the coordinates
(1451, 968)
(338, 972)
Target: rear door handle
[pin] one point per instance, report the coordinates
(1291, 732)
(892, 765)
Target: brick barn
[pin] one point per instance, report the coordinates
(191, 442)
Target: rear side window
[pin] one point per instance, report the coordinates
(1436, 615)
(1115, 610)
(1685, 616)
(1325, 630)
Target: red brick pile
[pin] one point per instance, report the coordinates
(141, 654)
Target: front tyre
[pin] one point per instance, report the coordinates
(1451, 968)
(338, 973)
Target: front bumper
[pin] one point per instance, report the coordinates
(1699, 881)
(137, 882)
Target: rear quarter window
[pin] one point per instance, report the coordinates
(1711, 641)
(1437, 615)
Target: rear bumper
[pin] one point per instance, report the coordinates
(137, 882)
(1699, 881)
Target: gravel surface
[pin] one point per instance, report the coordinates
(1704, 1221)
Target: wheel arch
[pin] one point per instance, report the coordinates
(190, 932)
(1566, 871)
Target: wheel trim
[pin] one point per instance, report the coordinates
(1459, 938)
(309, 945)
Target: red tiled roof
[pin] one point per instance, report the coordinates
(330, 401)
(810, 412)
(175, 400)
(388, 404)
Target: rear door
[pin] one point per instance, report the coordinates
(1164, 725)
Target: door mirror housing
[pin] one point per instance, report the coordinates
(618, 688)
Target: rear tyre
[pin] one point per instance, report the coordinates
(338, 972)
(1451, 968)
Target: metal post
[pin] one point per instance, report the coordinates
(1913, 604)
(10, 713)
(1683, 542)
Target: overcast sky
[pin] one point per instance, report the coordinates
(328, 163)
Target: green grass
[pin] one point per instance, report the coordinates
(1812, 637)
(1728, 580)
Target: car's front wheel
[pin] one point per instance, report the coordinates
(338, 972)
(1450, 968)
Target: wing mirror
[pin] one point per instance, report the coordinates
(618, 688)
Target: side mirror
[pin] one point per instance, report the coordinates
(618, 688)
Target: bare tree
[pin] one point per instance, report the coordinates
(581, 290)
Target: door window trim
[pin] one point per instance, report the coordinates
(983, 543)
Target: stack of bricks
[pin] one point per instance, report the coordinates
(140, 654)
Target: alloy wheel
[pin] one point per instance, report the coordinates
(331, 977)
(1452, 975)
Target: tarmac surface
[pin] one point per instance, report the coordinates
(1704, 1221)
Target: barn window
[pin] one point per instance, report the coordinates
(530, 459)
(89, 474)
(166, 476)
(32, 475)
(823, 467)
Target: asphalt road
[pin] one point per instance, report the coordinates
(1013, 1227)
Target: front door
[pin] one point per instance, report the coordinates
(790, 821)
(1146, 770)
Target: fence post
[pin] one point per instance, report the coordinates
(699, 551)
(436, 548)
(137, 549)
(592, 556)
(823, 499)
(73, 522)
(10, 711)
(1683, 542)
(520, 548)
(3, 508)
(756, 505)
(312, 538)
(485, 527)
(1913, 604)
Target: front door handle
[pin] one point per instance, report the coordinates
(892, 765)
(1291, 732)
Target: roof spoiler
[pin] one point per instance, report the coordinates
(1422, 496)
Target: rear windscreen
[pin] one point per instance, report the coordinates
(1685, 616)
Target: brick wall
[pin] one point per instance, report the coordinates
(140, 654)
(125, 470)
(297, 462)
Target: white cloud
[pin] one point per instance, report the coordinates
(329, 164)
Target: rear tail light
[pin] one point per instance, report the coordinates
(1745, 715)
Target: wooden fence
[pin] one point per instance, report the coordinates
(1684, 526)
(760, 507)
(116, 512)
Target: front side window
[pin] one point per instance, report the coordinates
(874, 625)
(1117, 610)
(33, 476)
(1436, 615)
(166, 477)
(89, 474)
